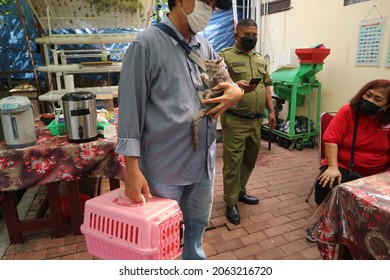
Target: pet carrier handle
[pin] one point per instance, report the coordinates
(123, 204)
(181, 233)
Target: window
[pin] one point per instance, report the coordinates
(272, 6)
(350, 2)
(277, 6)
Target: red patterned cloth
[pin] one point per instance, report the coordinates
(54, 159)
(356, 214)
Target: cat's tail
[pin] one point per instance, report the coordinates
(195, 128)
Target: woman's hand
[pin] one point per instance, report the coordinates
(331, 175)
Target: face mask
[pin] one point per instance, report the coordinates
(368, 108)
(200, 16)
(248, 42)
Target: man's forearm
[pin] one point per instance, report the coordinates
(131, 164)
(268, 100)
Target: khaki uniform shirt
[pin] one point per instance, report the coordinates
(242, 66)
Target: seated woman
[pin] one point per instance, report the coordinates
(367, 117)
(369, 111)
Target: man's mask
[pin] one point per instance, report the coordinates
(248, 42)
(200, 16)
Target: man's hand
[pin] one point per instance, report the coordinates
(272, 121)
(231, 96)
(244, 84)
(135, 181)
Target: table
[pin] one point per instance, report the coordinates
(53, 160)
(355, 215)
(56, 95)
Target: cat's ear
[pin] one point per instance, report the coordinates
(218, 61)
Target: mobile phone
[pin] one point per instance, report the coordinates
(255, 81)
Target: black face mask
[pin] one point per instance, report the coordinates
(248, 42)
(368, 108)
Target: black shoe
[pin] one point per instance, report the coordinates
(309, 236)
(248, 199)
(232, 214)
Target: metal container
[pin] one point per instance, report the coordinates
(80, 116)
(17, 119)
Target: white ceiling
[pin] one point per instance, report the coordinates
(59, 14)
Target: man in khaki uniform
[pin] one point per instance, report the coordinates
(241, 125)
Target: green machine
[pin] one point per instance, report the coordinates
(292, 85)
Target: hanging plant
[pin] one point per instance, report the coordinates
(5, 11)
(122, 6)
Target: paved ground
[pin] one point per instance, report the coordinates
(272, 230)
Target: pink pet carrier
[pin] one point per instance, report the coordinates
(117, 229)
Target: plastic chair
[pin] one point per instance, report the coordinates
(325, 119)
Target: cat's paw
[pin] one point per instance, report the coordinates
(205, 79)
(201, 96)
(204, 95)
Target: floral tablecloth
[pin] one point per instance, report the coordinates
(355, 214)
(54, 159)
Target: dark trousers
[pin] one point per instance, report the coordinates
(241, 144)
(320, 192)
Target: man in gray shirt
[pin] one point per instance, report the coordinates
(157, 101)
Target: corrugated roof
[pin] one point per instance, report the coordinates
(60, 14)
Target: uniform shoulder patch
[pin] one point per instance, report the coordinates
(238, 63)
(225, 49)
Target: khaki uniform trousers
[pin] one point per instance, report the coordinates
(241, 145)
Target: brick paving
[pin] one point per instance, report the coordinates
(271, 230)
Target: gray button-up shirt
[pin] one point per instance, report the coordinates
(157, 100)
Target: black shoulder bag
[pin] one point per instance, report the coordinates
(193, 55)
(352, 174)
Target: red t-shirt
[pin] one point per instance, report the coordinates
(371, 146)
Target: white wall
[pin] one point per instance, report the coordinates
(310, 22)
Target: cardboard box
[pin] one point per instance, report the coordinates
(31, 92)
(105, 101)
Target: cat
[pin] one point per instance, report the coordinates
(215, 73)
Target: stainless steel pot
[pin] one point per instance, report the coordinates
(80, 116)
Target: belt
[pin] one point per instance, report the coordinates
(252, 117)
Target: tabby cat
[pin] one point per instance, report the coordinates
(215, 73)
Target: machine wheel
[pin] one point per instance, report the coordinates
(280, 141)
(273, 137)
(286, 143)
(311, 142)
(299, 145)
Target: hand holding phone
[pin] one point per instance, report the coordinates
(255, 81)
